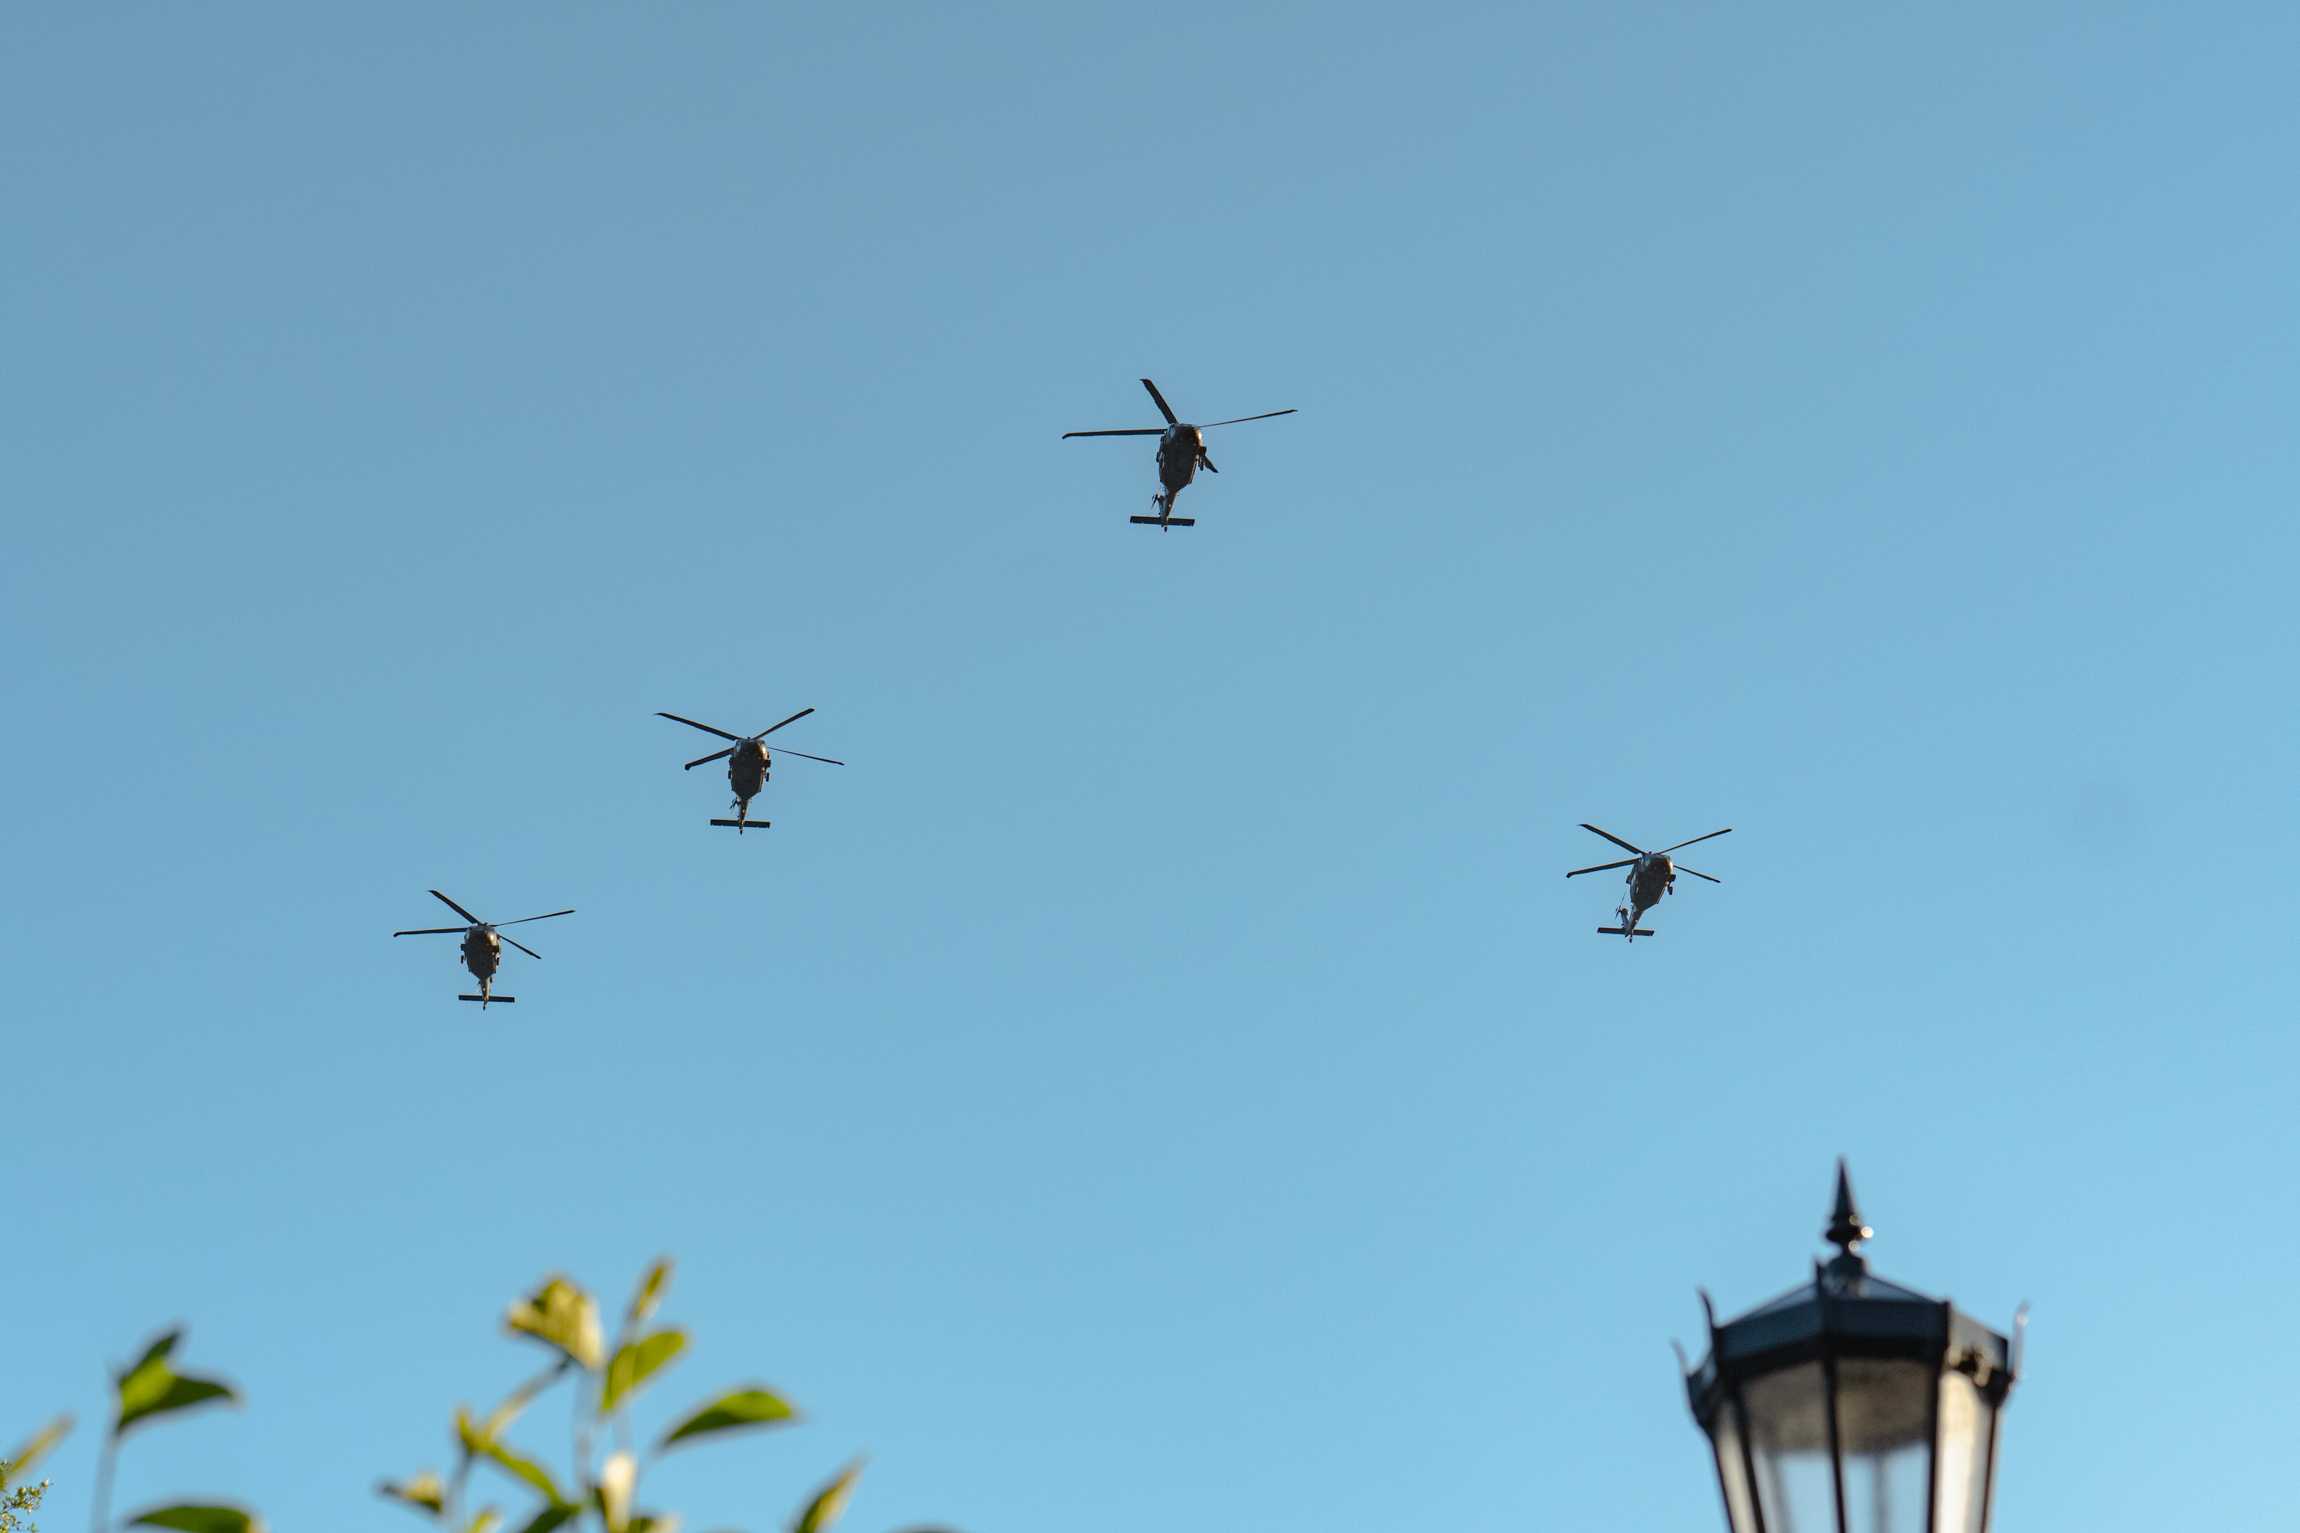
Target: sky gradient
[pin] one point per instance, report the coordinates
(1163, 1080)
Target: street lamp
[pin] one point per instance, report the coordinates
(1853, 1405)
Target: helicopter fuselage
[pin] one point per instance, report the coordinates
(747, 769)
(1650, 877)
(482, 952)
(1179, 451)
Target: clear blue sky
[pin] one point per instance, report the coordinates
(1164, 1080)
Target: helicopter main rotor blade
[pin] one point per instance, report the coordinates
(1129, 431)
(458, 909)
(1164, 408)
(1697, 873)
(523, 920)
(784, 750)
(1235, 419)
(1713, 835)
(432, 931)
(691, 724)
(523, 947)
(1610, 836)
(714, 756)
(1602, 867)
(793, 719)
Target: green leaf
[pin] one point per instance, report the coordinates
(556, 1515)
(829, 1501)
(162, 1345)
(181, 1393)
(151, 1387)
(199, 1519)
(655, 1522)
(752, 1407)
(426, 1492)
(635, 1362)
(560, 1315)
(648, 1294)
(479, 1438)
(486, 1521)
(35, 1448)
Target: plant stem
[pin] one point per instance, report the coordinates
(582, 1430)
(100, 1509)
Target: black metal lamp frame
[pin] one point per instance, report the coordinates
(1848, 1316)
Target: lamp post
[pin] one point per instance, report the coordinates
(1853, 1405)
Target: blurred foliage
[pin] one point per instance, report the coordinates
(605, 1380)
(152, 1387)
(18, 1502)
(145, 1390)
(16, 1465)
(558, 1316)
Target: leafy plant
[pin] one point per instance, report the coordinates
(18, 1502)
(562, 1318)
(558, 1316)
(147, 1389)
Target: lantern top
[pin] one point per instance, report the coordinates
(1846, 1311)
(1851, 1404)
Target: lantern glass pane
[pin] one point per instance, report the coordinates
(1789, 1442)
(1733, 1470)
(1967, 1423)
(1884, 1430)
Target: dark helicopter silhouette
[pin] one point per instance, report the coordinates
(1651, 875)
(1181, 453)
(748, 763)
(482, 947)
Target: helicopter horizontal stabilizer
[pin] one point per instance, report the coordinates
(1615, 931)
(499, 1000)
(1163, 521)
(744, 824)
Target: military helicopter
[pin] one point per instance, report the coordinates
(1651, 875)
(747, 765)
(482, 947)
(1181, 453)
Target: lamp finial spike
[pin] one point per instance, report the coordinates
(1846, 1231)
